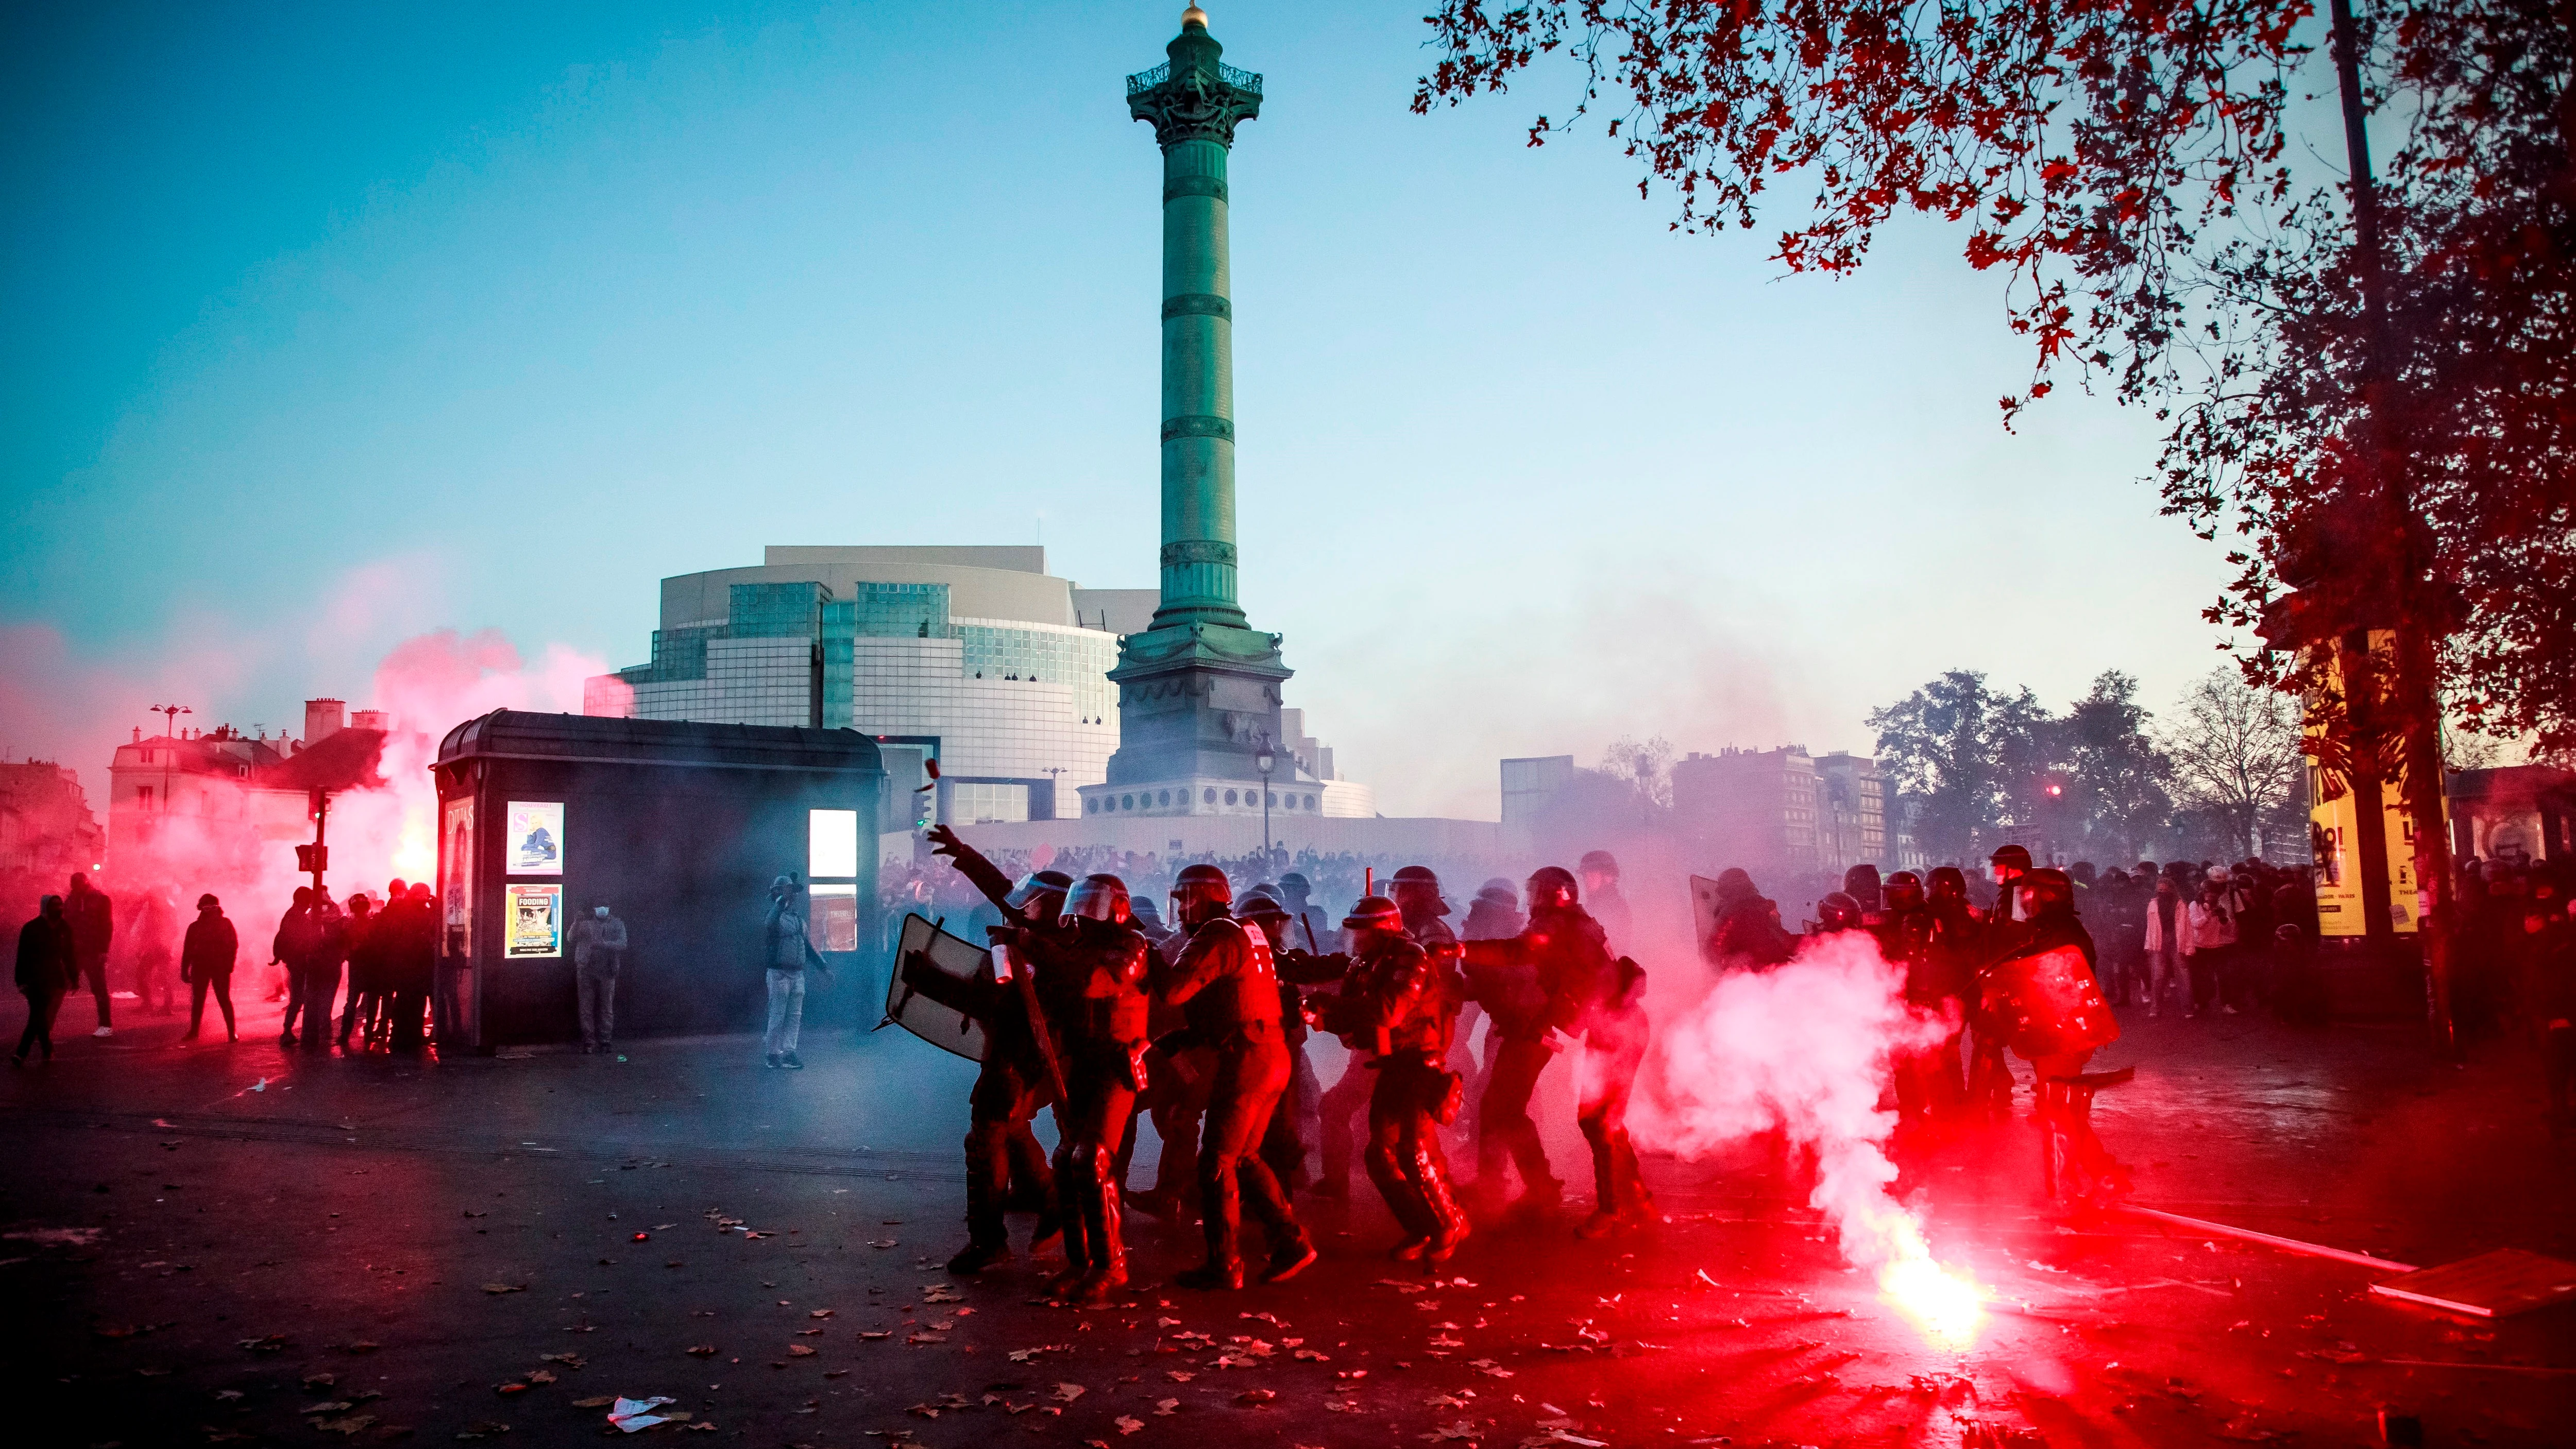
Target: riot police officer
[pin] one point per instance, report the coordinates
(1091, 980)
(1013, 1081)
(1396, 1005)
(1228, 988)
(1541, 987)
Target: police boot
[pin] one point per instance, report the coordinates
(974, 1258)
(1223, 1269)
(1108, 1250)
(1076, 1230)
(1293, 1255)
(1442, 1201)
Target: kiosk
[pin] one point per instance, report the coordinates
(678, 828)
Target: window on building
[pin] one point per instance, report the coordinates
(143, 796)
(832, 864)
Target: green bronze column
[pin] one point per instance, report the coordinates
(1198, 690)
(1194, 102)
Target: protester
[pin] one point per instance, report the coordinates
(156, 931)
(298, 935)
(598, 950)
(2208, 943)
(318, 978)
(411, 963)
(785, 950)
(365, 1001)
(92, 918)
(2168, 929)
(48, 965)
(206, 961)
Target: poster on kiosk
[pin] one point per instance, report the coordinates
(535, 839)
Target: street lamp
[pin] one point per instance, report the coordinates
(170, 730)
(1265, 761)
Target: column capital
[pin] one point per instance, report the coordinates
(1194, 96)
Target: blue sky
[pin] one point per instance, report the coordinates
(331, 324)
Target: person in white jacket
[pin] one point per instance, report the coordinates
(2168, 927)
(2211, 942)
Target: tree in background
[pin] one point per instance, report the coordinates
(1979, 767)
(1943, 747)
(2121, 774)
(2373, 385)
(2237, 764)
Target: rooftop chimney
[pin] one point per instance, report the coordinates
(322, 719)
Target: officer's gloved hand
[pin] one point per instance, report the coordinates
(944, 841)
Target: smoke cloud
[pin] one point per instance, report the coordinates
(1805, 1049)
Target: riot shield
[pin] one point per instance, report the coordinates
(936, 977)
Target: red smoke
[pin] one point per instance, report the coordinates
(242, 848)
(1806, 1049)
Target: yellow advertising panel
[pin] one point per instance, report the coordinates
(2337, 842)
(533, 926)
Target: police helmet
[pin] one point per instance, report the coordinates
(1904, 890)
(1037, 885)
(1097, 898)
(1499, 892)
(1599, 862)
(1202, 882)
(207, 901)
(2052, 888)
(1373, 913)
(1553, 885)
(1838, 912)
(1262, 903)
(2011, 857)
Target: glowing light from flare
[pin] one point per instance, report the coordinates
(1945, 1306)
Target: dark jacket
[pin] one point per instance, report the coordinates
(45, 961)
(92, 918)
(1394, 1000)
(212, 947)
(1562, 954)
(1224, 979)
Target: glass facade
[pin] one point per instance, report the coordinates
(1012, 703)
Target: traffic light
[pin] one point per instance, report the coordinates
(312, 859)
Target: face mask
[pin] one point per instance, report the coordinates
(600, 911)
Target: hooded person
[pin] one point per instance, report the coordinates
(48, 964)
(1012, 1082)
(1395, 1006)
(92, 919)
(1227, 988)
(598, 951)
(299, 936)
(206, 960)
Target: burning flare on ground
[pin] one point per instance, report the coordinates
(1806, 1050)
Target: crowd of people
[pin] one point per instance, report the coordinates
(385, 947)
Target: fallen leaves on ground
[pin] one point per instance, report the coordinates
(1255, 1398)
(505, 1287)
(703, 1350)
(1128, 1424)
(268, 1344)
(1067, 1393)
(568, 1360)
(800, 1350)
